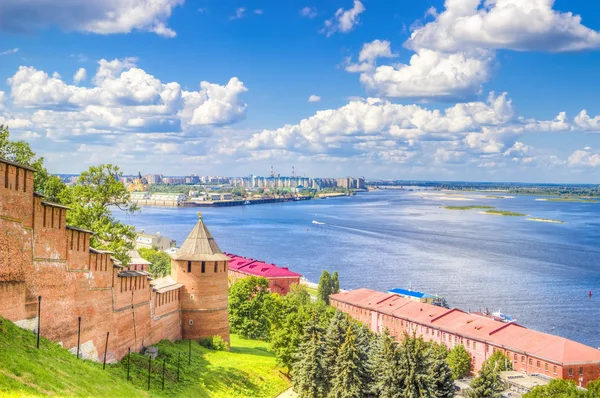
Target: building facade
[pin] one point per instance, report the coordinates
(42, 258)
(531, 352)
(280, 279)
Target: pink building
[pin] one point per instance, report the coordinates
(280, 278)
(530, 351)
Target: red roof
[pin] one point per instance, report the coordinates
(512, 337)
(259, 268)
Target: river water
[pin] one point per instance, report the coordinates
(539, 273)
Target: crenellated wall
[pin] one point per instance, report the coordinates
(41, 256)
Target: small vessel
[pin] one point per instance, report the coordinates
(317, 223)
(499, 316)
(247, 202)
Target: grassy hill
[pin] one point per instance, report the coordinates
(248, 370)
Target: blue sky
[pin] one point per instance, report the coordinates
(455, 89)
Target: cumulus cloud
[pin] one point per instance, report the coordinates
(344, 20)
(584, 158)
(314, 98)
(308, 12)
(239, 14)
(455, 52)
(429, 74)
(80, 75)
(91, 16)
(521, 25)
(2, 100)
(123, 99)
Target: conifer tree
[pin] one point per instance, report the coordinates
(486, 385)
(347, 382)
(334, 338)
(324, 288)
(307, 371)
(440, 375)
(364, 343)
(335, 283)
(414, 367)
(383, 365)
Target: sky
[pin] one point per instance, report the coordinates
(473, 90)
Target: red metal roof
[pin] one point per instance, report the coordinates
(512, 337)
(259, 268)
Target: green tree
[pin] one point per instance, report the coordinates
(383, 365)
(250, 307)
(20, 152)
(334, 338)
(97, 192)
(347, 382)
(440, 374)
(487, 384)
(160, 261)
(308, 377)
(414, 367)
(459, 360)
(559, 389)
(364, 344)
(499, 362)
(593, 389)
(335, 283)
(324, 288)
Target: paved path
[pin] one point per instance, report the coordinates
(288, 394)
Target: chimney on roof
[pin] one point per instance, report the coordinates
(142, 231)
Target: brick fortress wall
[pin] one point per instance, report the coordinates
(41, 256)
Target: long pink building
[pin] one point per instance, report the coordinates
(531, 352)
(280, 278)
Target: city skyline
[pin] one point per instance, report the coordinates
(404, 91)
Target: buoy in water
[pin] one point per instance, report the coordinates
(590, 293)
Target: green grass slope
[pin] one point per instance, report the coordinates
(248, 370)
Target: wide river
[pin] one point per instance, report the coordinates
(538, 272)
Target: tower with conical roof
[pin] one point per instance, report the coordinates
(202, 268)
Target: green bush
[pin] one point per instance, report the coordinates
(215, 343)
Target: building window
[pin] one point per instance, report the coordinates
(554, 369)
(216, 266)
(468, 343)
(203, 266)
(523, 359)
(530, 362)
(515, 357)
(570, 372)
(538, 364)
(474, 345)
(189, 266)
(580, 371)
(546, 367)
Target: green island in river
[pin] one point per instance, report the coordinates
(545, 220)
(504, 213)
(570, 199)
(488, 210)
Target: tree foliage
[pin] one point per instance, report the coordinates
(487, 384)
(459, 360)
(250, 307)
(561, 389)
(307, 372)
(335, 283)
(383, 364)
(414, 367)
(347, 382)
(97, 192)
(160, 261)
(442, 382)
(499, 361)
(334, 338)
(324, 288)
(20, 152)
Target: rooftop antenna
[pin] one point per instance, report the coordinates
(293, 172)
(272, 173)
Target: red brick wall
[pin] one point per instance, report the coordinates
(280, 286)
(39, 256)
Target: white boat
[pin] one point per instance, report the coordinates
(247, 202)
(317, 223)
(499, 316)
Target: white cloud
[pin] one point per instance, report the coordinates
(455, 52)
(11, 51)
(344, 20)
(239, 14)
(429, 74)
(80, 75)
(308, 12)
(2, 100)
(258, 12)
(215, 104)
(521, 25)
(584, 158)
(376, 49)
(91, 16)
(314, 98)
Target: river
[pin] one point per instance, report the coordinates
(537, 272)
